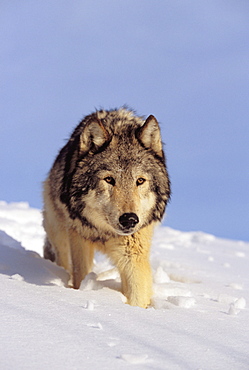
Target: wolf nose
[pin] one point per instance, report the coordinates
(128, 220)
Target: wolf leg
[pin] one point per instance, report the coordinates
(131, 256)
(82, 254)
(48, 251)
(56, 246)
(136, 280)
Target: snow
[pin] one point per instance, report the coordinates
(198, 319)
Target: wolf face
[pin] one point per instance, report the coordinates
(121, 198)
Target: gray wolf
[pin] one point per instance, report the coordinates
(107, 189)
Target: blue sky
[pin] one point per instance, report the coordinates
(186, 62)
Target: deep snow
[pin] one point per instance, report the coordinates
(199, 318)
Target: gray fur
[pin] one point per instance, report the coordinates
(112, 166)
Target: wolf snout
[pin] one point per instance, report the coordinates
(128, 220)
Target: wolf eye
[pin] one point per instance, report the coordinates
(140, 181)
(110, 180)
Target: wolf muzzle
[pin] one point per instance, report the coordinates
(128, 221)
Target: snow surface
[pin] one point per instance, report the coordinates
(198, 320)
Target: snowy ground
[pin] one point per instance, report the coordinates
(199, 318)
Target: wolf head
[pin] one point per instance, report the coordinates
(115, 178)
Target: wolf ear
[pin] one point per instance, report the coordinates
(94, 136)
(149, 135)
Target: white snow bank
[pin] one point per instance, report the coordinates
(23, 224)
(198, 319)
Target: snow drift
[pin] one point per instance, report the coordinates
(198, 318)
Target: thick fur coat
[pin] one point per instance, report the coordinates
(107, 189)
